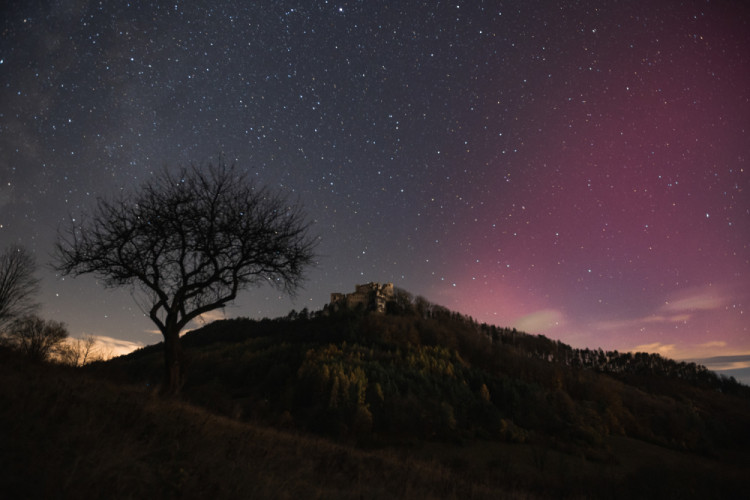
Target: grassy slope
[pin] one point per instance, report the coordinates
(66, 435)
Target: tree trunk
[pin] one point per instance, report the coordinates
(174, 362)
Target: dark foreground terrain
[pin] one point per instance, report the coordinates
(67, 435)
(366, 406)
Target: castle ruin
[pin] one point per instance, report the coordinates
(370, 296)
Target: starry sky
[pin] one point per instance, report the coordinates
(577, 169)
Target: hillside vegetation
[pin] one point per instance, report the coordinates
(417, 402)
(66, 434)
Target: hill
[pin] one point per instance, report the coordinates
(66, 434)
(474, 411)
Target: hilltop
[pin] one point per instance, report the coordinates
(487, 411)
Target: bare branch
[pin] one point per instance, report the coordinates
(36, 337)
(190, 241)
(18, 286)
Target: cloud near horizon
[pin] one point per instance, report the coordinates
(679, 309)
(656, 347)
(210, 316)
(724, 363)
(199, 322)
(706, 298)
(713, 344)
(711, 354)
(540, 321)
(111, 347)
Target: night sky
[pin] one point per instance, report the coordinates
(577, 169)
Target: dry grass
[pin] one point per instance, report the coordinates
(64, 434)
(67, 436)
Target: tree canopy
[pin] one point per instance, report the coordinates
(37, 338)
(189, 241)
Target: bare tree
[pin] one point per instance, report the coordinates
(78, 352)
(37, 338)
(189, 242)
(18, 286)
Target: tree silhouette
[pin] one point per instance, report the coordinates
(18, 286)
(189, 242)
(78, 352)
(35, 337)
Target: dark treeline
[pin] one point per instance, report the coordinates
(541, 347)
(613, 362)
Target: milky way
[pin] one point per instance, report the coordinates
(577, 169)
